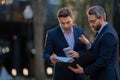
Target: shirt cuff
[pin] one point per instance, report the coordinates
(89, 47)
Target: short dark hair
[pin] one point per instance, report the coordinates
(64, 12)
(96, 10)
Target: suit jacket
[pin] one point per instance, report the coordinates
(55, 42)
(106, 50)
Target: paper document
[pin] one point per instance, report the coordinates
(84, 60)
(65, 59)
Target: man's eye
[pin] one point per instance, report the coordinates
(69, 22)
(62, 23)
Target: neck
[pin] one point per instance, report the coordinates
(68, 32)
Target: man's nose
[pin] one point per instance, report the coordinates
(66, 25)
(91, 24)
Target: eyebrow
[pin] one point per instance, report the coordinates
(65, 22)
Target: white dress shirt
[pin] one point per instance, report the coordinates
(69, 37)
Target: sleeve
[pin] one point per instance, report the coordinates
(84, 48)
(48, 48)
(105, 51)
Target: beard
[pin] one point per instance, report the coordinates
(98, 27)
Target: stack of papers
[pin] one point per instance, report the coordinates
(65, 59)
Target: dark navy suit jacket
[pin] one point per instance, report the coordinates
(106, 49)
(55, 42)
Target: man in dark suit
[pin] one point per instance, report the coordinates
(66, 34)
(104, 48)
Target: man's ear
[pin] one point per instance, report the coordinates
(102, 19)
(73, 18)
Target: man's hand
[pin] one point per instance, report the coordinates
(85, 40)
(52, 58)
(79, 69)
(73, 54)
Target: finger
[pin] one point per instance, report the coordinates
(82, 35)
(71, 68)
(54, 55)
(81, 38)
(78, 66)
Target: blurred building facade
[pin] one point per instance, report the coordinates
(16, 36)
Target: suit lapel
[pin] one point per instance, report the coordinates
(100, 34)
(62, 39)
